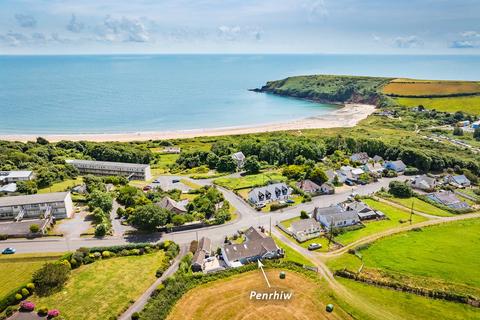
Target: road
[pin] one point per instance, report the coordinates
(247, 217)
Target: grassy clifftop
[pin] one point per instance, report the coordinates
(329, 88)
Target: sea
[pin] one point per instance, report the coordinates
(134, 93)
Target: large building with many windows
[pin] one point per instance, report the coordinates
(57, 204)
(133, 171)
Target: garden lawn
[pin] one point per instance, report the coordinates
(469, 104)
(102, 290)
(372, 227)
(62, 185)
(420, 205)
(291, 254)
(320, 240)
(17, 270)
(405, 306)
(249, 181)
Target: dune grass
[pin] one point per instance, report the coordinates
(102, 290)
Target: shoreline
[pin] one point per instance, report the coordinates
(347, 116)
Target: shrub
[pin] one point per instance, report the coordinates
(88, 260)
(400, 189)
(18, 297)
(53, 313)
(135, 316)
(30, 286)
(101, 230)
(106, 254)
(50, 277)
(42, 311)
(277, 206)
(3, 236)
(34, 228)
(27, 306)
(25, 293)
(97, 255)
(9, 311)
(304, 215)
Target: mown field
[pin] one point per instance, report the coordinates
(249, 181)
(395, 215)
(469, 104)
(62, 185)
(411, 87)
(447, 253)
(420, 205)
(397, 305)
(17, 270)
(102, 290)
(229, 299)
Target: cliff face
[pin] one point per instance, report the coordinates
(329, 89)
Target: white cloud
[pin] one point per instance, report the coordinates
(468, 40)
(74, 25)
(25, 20)
(237, 33)
(408, 42)
(122, 30)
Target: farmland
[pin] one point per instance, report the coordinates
(416, 88)
(435, 256)
(309, 299)
(17, 270)
(468, 104)
(103, 289)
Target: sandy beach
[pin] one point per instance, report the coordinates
(347, 116)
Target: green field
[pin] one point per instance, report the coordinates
(291, 254)
(17, 270)
(420, 205)
(102, 290)
(372, 227)
(405, 306)
(470, 104)
(62, 185)
(249, 181)
(444, 254)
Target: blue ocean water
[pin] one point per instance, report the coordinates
(130, 93)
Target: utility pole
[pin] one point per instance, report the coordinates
(270, 225)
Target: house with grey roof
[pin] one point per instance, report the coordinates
(305, 229)
(335, 216)
(449, 199)
(308, 186)
(271, 192)
(15, 176)
(204, 251)
(177, 207)
(257, 246)
(424, 183)
(57, 204)
(397, 166)
(9, 188)
(361, 157)
(459, 181)
(239, 157)
(364, 211)
(134, 171)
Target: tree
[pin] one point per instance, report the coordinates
(457, 131)
(400, 189)
(27, 187)
(149, 217)
(318, 176)
(252, 165)
(42, 141)
(294, 172)
(212, 160)
(127, 195)
(226, 164)
(99, 199)
(304, 215)
(50, 277)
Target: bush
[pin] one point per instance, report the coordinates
(3, 236)
(18, 297)
(50, 277)
(135, 316)
(277, 206)
(53, 313)
(304, 215)
(27, 306)
(34, 228)
(106, 254)
(9, 311)
(24, 292)
(400, 189)
(42, 311)
(101, 230)
(30, 286)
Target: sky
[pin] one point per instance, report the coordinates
(240, 26)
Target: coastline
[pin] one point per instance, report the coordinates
(347, 116)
